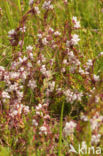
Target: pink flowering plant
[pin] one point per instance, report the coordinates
(51, 79)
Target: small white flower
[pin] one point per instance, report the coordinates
(57, 33)
(47, 5)
(43, 69)
(71, 97)
(71, 55)
(59, 90)
(31, 56)
(89, 62)
(69, 128)
(44, 41)
(74, 97)
(37, 113)
(14, 113)
(76, 23)
(94, 124)
(20, 42)
(2, 68)
(97, 98)
(31, 2)
(29, 64)
(43, 129)
(14, 75)
(43, 58)
(75, 39)
(46, 117)
(13, 87)
(95, 138)
(51, 86)
(65, 1)
(21, 60)
(84, 118)
(37, 10)
(39, 62)
(74, 18)
(11, 32)
(23, 29)
(81, 71)
(22, 69)
(96, 77)
(32, 84)
(101, 54)
(63, 70)
(29, 48)
(5, 95)
(84, 145)
(24, 75)
(51, 30)
(39, 35)
(48, 74)
(65, 61)
(26, 109)
(39, 107)
(34, 122)
(19, 94)
(67, 43)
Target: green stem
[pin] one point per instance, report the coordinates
(60, 134)
(7, 8)
(19, 5)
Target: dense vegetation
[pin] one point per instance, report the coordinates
(51, 77)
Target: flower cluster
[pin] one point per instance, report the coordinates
(95, 123)
(76, 23)
(47, 5)
(71, 97)
(69, 128)
(46, 69)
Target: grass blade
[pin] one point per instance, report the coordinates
(60, 134)
(19, 5)
(8, 14)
